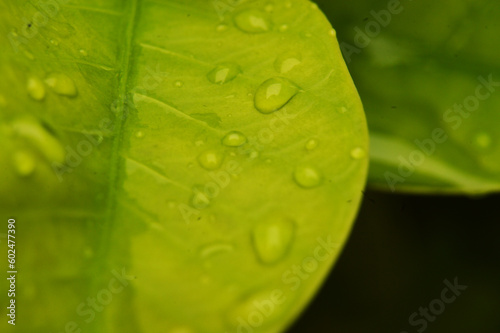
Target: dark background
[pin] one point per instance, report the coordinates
(400, 251)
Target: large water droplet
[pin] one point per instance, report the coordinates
(311, 144)
(358, 153)
(62, 85)
(274, 94)
(288, 61)
(272, 238)
(307, 176)
(224, 73)
(234, 139)
(211, 159)
(24, 163)
(252, 21)
(36, 89)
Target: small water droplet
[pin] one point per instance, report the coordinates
(83, 52)
(358, 153)
(24, 163)
(343, 109)
(288, 61)
(54, 42)
(269, 7)
(224, 73)
(221, 27)
(234, 139)
(139, 134)
(307, 176)
(274, 94)
(332, 32)
(178, 84)
(211, 159)
(252, 21)
(482, 140)
(254, 154)
(311, 144)
(36, 89)
(62, 85)
(272, 238)
(283, 27)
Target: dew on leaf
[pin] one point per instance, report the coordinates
(178, 84)
(307, 176)
(224, 73)
(62, 85)
(283, 27)
(139, 134)
(253, 155)
(24, 163)
(272, 238)
(54, 42)
(252, 21)
(482, 140)
(358, 153)
(343, 109)
(311, 144)
(83, 52)
(234, 139)
(274, 94)
(288, 61)
(36, 89)
(37, 135)
(211, 159)
(332, 32)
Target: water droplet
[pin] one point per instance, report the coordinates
(283, 27)
(234, 139)
(358, 153)
(62, 85)
(332, 32)
(274, 94)
(482, 140)
(54, 42)
(41, 138)
(83, 52)
(139, 134)
(210, 250)
(211, 159)
(254, 154)
(269, 7)
(252, 21)
(36, 89)
(286, 62)
(307, 176)
(224, 73)
(221, 27)
(343, 109)
(199, 200)
(178, 84)
(311, 144)
(24, 163)
(272, 238)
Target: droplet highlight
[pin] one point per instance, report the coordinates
(62, 85)
(211, 159)
(307, 176)
(224, 73)
(36, 89)
(311, 144)
(274, 94)
(272, 238)
(252, 21)
(234, 139)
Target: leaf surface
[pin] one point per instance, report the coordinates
(172, 164)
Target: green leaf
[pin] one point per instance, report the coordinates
(150, 193)
(429, 79)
